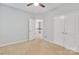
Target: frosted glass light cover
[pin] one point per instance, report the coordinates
(36, 4)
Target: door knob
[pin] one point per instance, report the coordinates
(64, 33)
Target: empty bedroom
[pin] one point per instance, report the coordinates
(39, 28)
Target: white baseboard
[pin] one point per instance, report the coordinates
(73, 49)
(51, 41)
(11, 43)
(62, 45)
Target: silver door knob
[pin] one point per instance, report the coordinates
(64, 33)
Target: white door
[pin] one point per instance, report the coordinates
(70, 30)
(59, 30)
(31, 29)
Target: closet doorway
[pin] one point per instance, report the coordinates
(35, 28)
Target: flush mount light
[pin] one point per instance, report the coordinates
(36, 4)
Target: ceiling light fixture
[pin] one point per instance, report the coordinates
(36, 4)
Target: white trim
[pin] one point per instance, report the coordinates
(11, 43)
(62, 45)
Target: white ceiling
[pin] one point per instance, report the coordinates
(34, 9)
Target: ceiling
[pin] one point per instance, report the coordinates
(34, 9)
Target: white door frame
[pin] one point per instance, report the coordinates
(34, 28)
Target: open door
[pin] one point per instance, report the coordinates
(35, 29)
(31, 29)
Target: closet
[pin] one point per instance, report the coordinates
(71, 39)
(66, 30)
(59, 30)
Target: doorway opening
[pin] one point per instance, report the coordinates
(35, 29)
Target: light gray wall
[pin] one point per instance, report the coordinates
(48, 28)
(72, 12)
(74, 25)
(13, 25)
(49, 17)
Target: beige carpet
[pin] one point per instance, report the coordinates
(35, 47)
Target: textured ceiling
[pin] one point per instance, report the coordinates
(34, 9)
